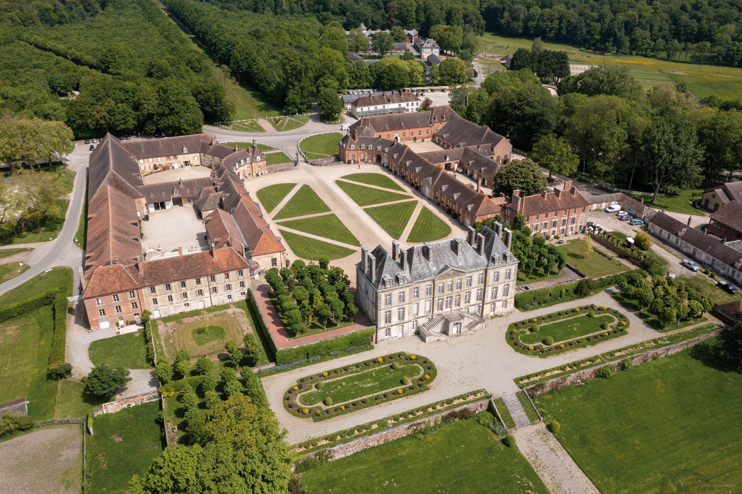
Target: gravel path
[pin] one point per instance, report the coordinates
(552, 463)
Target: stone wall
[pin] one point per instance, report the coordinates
(583, 376)
(281, 167)
(115, 406)
(365, 442)
(329, 161)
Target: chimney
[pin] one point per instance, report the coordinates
(235, 148)
(557, 192)
(567, 184)
(364, 253)
(180, 251)
(213, 141)
(573, 190)
(455, 246)
(253, 143)
(139, 264)
(516, 193)
(543, 194)
(479, 185)
(395, 249)
(371, 266)
(498, 229)
(507, 237)
(213, 251)
(403, 259)
(470, 235)
(426, 251)
(689, 220)
(480, 244)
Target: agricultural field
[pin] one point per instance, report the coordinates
(321, 145)
(125, 351)
(124, 444)
(272, 195)
(592, 264)
(428, 227)
(661, 431)
(327, 226)
(48, 459)
(304, 202)
(276, 158)
(463, 457)
(312, 249)
(368, 196)
(393, 218)
(376, 179)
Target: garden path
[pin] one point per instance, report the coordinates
(413, 219)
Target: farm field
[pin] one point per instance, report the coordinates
(276, 158)
(463, 457)
(327, 226)
(592, 264)
(311, 249)
(368, 196)
(376, 179)
(304, 202)
(393, 218)
(673, 405)
(272, 195)
(124, 444)
(428, 227)
(322, 144)
(125, 351)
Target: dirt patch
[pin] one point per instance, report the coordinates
(117, 439)
(46, 460)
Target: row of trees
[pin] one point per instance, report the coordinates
(548, 65)
(30, 140)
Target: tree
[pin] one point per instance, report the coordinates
(457, 99)
(358, 41)
(252, 350)
(452, 71)
(212, 99)
(330, 104)
(397, 34)
(643, 241)
(721, 137)
(359, 75)
(523, 115)
(234, 352)
(407, 55)
(390, 73)
(164, 371)
(587, 246)
(523, 175)
(177, 110)
(382, 43)
(606, 79)
(555, 154)
(670, 154)
(103, 381)
(204, 366)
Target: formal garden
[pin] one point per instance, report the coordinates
(272, 195)
(304, 202)
(428, 227)
(558, 332)
(331, 393)
(327, 226)
(312, 249)
(369, 196)
(321, 145)
(377, 179)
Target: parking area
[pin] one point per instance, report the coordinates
(611, 223)
(170, 229)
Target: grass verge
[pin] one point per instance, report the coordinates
(428, 227)
(271, 196)
(324, 144)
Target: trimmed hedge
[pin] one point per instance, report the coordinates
(59, 343)
(33, 303)
(257, 318)
(325, 347)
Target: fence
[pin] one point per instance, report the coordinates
(72, 420)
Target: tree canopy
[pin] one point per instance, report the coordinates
(523, 175)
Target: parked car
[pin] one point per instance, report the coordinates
(697, 204)
(94, 141)
(624, 217)
(636, 222)
(87, 141)
(92, 147)
(443, 90)
(690, 265)
(612, 209)
(727, 287)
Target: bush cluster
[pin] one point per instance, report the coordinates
(10, 422)
(325, 347)
(554, 426)
(509, 441)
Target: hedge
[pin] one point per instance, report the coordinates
(530, 300)
(59, 342)
(257, 319)
(33, 303)
(174, 387)
(325, 347)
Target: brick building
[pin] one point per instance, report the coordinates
(726, 223)
(560, 212)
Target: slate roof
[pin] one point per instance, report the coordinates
(354, 57)
(166, 146)
(434, 59)
(209, 199)
(112, 164)
(467, 156)
(461, 132)
(385, 98)
(621, 198)
(166, 190)
(400, 121)
(730, 216)
(728, 192)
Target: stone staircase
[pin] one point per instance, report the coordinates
(516, 410)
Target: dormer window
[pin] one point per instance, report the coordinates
(175, 192)
(352, 146)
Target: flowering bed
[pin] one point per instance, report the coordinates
(521, 330)
(358, 386)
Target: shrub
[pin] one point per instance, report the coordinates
(604, 372)
(399, 391)
(310, 462)
(61, 371)
(712, 274)
(427, 376)
(604, 325)
(591, 313)
(379, 359)
(413, 357)
(204, 366)
(406, 381)
(625, 364)
(509, 441)
(328, 401)
(395, 365)
(549, 341)
(484, 418)
(324, 374)
(252, 350)
(534, 328)
(554, 426)
(320, 385)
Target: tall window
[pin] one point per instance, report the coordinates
(170, 298)
(468, 281)
(388, 299)
(481, 278)
(184, 296)
(118, 309)
(449, 300)
(440, 304)
(199, 293)
(198, 281)
(416, 292)
(131, 295)
(101, 312)
(505, 290)
(400, 314)
(115, 298)
(154, 301)
(457, 302)
(182, 284)
(508, 273)
(401, 297)
(450, 286)
(429, 290)
(168, 287)
(388, 317)
(440, 287)
(427, 306)
(212, 278)
(134, 305)
(152, 290)
(458, 284)
(415, 308)
(494, 292)
(214, 289)
(388, 332)
(479, 295)
(467, 297)
(497, 276)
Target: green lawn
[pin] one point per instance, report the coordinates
(460, 458)
(276, 158)
(504, 413)
(668, 425)
(428, 227)
(124, 444)
(393, 218)
(246, 145)
(11, 252)
(10, 270)
(250, 103)
(81, 236)
(312, 156)
(311, 249)
(537, 275)
(126, 351)
(527, 407)
(206, 334)
(367, 196)
(707, 288)
(73, 401)
(593, 265)
(362, 384)
(328, 226)
(376, 179)
(304, 202)
(324, 144)
(678, 203)
(56, 278)
(295, 122)
(271, 196)
(249, 126)
(566, 329)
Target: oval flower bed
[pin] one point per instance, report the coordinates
(536, 329)
(353, 387)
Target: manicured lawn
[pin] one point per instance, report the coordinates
(183, 332)
(249, 126)
(362, 384)
(668, 425)
(678, 203)
(707, 288)
(593, 265)
(311, 249)
(126, 351)
(312, 156)
(376, 179)
(124, 444)
(276, 158)
(428, 227)
(328, 226)
(304, 202)
(566, 329)
(56, 278)
(246, 145)
(527, 407)
(277, 123)
(393, 218)
(206, 334)
(11, 270)
(250, 103)
(367, 196)
(11, 252)
(271, 196)
(537, 275)
(73, 401)
(504, 413)
(324, 144)
(81, 236)
(463, 457)
(295, 122)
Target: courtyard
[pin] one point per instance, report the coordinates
(176, 174)
(174, 228)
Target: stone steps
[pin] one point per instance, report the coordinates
(516, 410)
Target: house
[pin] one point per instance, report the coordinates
(176, 152)
(460, 132)
(715, 197)
(506, 60)
(411, 35)
(560, 212)
(726, 223)
(433, 59)
(635, 208)
(385, 103)
(439, 289)
(354, 57)
(426, 47)
(413, 126)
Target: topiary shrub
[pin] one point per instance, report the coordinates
(328, 401)
(509, 441)
(554, 426)
(320, 385)
(604, 325)
(534, 328)
(548, 341)
(591, 313)
(395, 366)
(406, 381)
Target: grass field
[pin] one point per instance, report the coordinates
(678, 203)
(376, 179)
(126, 351)
(322, 144)
(183, 334)
(461, 458)
(658, 427)
(249, 103)
(428, 227)
(592, 265)
(311, 249)
(295, 122)
(566, 329)
(248, 126)
(124, 443)
(73, 401)
(56, 278)
(10, 270)
(276, 158)
(393, 218)
(327, 226)
(272, 195)
(536, 276)
(246, 145)
(707, 288)
(367, 196)
(304, 202)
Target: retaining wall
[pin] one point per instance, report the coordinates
(281, 167)
(115, 406)
(330, 161)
